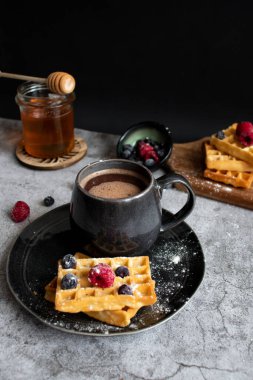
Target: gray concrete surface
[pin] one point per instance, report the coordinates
(210, 338)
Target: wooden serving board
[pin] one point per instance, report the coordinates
(188, 160)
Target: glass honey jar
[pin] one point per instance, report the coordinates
(47, 120)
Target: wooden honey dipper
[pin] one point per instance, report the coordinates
(58, 82)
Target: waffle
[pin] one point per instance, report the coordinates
(231, 145)
(51, 287)
(218, 160)
(87, 298)
(119, 318)
(229, 177)
(51, 290)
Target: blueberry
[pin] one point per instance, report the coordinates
(68, 262)
(220, 135)
(149, 162)
(122, 271)
(161, 153)
(156, 146)
(128, 147)
(125, 289)
(126, 153)
(132, 157)
(69, 281)
(48, 201)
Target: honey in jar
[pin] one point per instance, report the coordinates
(47, 120)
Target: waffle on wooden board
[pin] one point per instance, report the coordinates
(228, 160)
(188, 159)
(231, 145)
(215, 159)
(225, 168)
(230, 177)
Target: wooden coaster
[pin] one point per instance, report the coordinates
(75, 155)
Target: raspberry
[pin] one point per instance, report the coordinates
(144, 148)
(101, 275)
(152, 154)
(146, 151)
(20, 211)
(244, 133)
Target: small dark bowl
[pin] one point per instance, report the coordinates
(151, 129)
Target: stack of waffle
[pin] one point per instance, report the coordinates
(228, 161)
(106, 304)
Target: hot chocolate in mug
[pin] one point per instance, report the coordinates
(116, 205)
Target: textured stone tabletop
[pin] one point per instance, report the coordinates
(210, 338)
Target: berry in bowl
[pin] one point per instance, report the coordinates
(148, 142)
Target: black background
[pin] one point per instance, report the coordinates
(187, 64)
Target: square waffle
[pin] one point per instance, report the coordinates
(229, 177)
(119, 318)
(218, 160)
(87, 298)
(231, 145)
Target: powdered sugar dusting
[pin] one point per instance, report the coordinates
(171, 260)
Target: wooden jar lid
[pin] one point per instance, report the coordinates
(78, 152)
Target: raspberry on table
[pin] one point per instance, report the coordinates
(101, 275)
(20, 211)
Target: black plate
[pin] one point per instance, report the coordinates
(177, 265)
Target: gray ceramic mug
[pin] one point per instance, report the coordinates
(122, 226)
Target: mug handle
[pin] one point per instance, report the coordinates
(163, 183)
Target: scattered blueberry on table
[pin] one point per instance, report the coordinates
(48, 201)
(146, 151)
